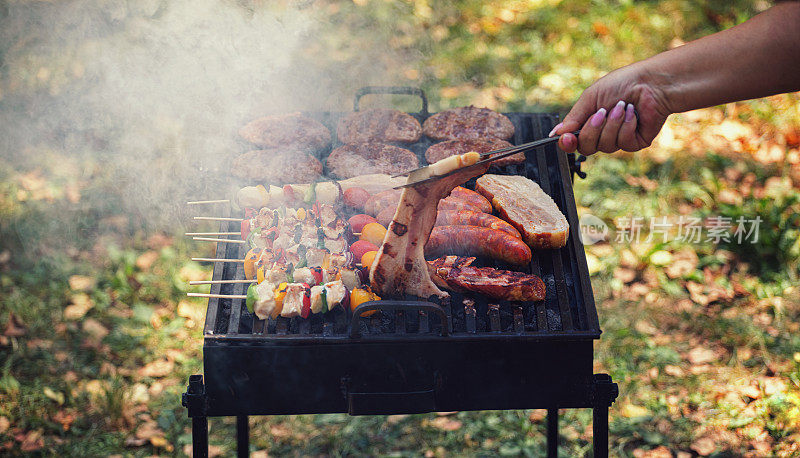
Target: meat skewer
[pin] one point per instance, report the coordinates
(201, 202)
(216, 260)
(218, 296)
(211, 239)
(217, 218)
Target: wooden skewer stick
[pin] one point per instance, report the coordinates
(210, 239)
(217, 218)
(218, 282)
(213, 233)
(198, 202)
(218, 296)
(217, 260)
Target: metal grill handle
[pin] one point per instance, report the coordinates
(401, 90)
(414, 306)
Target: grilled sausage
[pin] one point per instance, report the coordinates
(473, 198)
(474, 218)
(477, 241)
(381, 200)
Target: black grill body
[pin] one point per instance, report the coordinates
(415, 356)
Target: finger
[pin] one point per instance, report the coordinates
(608, 137)
(577, 116)
(568, 142)
(626, 138)
(590, 133)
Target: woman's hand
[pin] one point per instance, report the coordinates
(622, 110)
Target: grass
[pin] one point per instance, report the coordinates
(97, 338)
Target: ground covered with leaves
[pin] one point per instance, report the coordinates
(97, 337)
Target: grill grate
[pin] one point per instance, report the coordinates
(568, 310)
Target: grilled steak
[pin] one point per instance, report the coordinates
(277, 167)
(468, 123)
(293, 131)
(522, 203)
(379, 125)
(456, 273)
(452, 147)
(363, 158)
(400, 267)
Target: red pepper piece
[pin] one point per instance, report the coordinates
(245, 228)
(306, 310)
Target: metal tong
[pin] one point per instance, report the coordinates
(490, 156)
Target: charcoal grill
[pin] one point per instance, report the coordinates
(415, 356)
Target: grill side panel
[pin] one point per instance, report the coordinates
(382, 378)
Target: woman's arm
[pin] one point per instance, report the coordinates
(757, 58)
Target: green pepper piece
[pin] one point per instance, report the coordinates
(251, 236)
(252, 297)
(311, 194)
(324, 297)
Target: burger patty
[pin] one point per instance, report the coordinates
(277, 166)
(293, 131)
(468, 123)
(447, 148)
(348, 161)
(379, 125)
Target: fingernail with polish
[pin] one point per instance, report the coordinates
(629, 114)
(553, 132)
(598, 118)
(617, 111)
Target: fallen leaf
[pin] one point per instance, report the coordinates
(81, 282)
(633, 411)
(279, 431)
(445, 424)
(661, 258)
(537, 415)
(138, 394)
(701, 355)
(158, 368)
(4, 424)
(600, 28)
(81, 304)
(684, 262)
(146, 260)
(14, 327)
(161, 442)
(63, 418)
(94, 328)
(54, 395)
(658, 452)
(31, 441)
(394, 419)
(134, 442)
(674, 371)
(148, 430)
(704, 446)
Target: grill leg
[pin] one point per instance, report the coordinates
(605, 392)
(242, 436)
(200, 437)
(600, 431)
(552, 433)
(194, 399)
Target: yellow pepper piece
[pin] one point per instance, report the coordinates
(301, 214)
(280, 295)
(358, 296)
(260, 274)
(250, 263)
